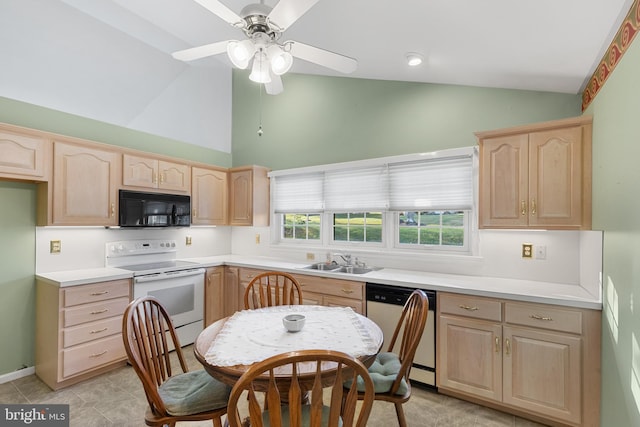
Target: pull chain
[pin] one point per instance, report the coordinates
(260, 131)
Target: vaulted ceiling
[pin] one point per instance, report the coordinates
(111, 59)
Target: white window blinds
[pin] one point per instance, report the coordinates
(356, 190)
(441, 183)
(301, 193)
(437, 184)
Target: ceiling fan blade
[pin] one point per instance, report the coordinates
(328, 59)
(201, 51)
(286, 12)
(275, 86)
(222, 11)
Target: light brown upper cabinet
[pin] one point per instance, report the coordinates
(249, 196)
(23, 154)
(208, 196)
(149, 172)
(536, 176)
(85, 185)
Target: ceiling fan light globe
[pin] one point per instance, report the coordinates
(240, 53)
(260, 69)
(281, 63)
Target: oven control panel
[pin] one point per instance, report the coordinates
(140, 247)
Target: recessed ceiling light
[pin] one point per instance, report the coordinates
(414, 59)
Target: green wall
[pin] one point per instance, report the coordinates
(319, 120)
(17, 266)
(616, 203)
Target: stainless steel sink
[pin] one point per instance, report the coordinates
(323, 266)
(336, 268)
(351, 269)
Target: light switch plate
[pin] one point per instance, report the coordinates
(188, 241)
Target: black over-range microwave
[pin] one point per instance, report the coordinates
(154, 209)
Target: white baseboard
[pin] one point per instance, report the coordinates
(21, 373)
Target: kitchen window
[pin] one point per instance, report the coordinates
(365, 227)
(417, 202)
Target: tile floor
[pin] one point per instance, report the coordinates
(117, 399)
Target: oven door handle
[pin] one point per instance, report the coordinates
(168, 275)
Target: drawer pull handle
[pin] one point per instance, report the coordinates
(98, 354)
(497, 344)
(347, 291)
(95, 294)
(533, 207)
(468, 308)
(97, 331)
(508, 346)
(100, 311)
(537, 317)
(523, 207)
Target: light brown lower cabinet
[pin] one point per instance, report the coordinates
(535, 360)
(316, 290)
(214, 295)
(79, 330)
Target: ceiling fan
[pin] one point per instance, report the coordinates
(263, 27)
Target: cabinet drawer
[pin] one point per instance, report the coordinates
(247, 274)
(97, 292)
(330, 286)
(545, 317)
(471, 306)
(97, 311)
(91, 331)
(92, 355)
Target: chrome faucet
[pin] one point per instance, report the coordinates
(345, 257)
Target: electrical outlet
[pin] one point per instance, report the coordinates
(527, 250)
(55, 246)
(257, 239)
(188, 241)
(310, 256)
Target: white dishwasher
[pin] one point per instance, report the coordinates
(384, 307)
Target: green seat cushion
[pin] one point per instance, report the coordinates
(306, 414)
(383, 373)
(193, 392)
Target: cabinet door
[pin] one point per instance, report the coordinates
(84, 185)
(208, 197)
(240, 198)
(231, 286)
(23, 156)
(139, 171)
(174, 176)
(503, 181)
(542, 372)
(214, 295)
(470, 357)
(555, 177)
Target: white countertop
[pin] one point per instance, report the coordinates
(521, 290)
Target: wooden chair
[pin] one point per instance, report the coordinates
(272, 288)
(390, 370)
(173, 396)
(287, 377)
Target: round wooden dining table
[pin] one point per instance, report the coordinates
(230, 374)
